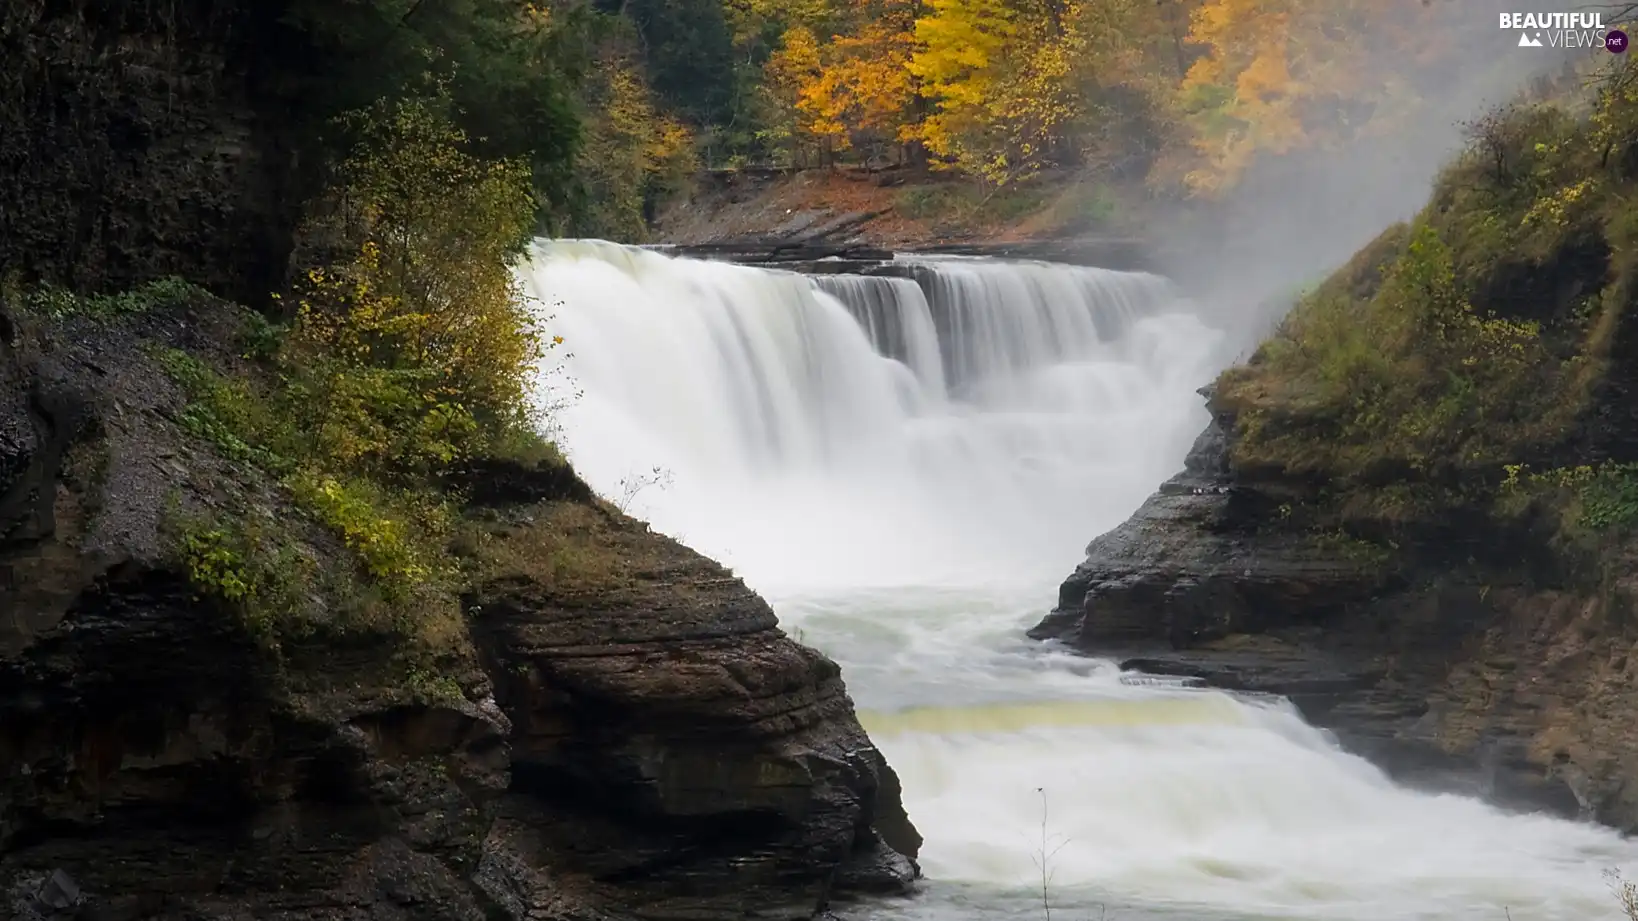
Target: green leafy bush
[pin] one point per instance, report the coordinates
(419, 349)
(1609, 501)
(1464, 348)
(1412, 377)
(251, 564)
(956, 201)
(398, 540)
(510, 67)
(411, 353)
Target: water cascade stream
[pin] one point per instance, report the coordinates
(906, 465)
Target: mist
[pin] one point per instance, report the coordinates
(1295, 218)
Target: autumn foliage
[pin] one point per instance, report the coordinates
(1186, 92)
(418, 347)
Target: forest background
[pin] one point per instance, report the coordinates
(620, 104)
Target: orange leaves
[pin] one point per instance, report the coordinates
(631, 150)
(1196, 90)
(855, 83)
(864, 84)
(798, 67)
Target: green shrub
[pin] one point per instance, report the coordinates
(59, 303)
(229, 413)
(1388, 373)
(1413, 377)
(927, 202)
(405, 357)
(1609, 501)
(420, 348)
(1083, 205)
(1597, 499)
(399, 538)
(251, 564)
(217, 567)
(969, 202)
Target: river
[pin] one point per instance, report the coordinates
(906, 470)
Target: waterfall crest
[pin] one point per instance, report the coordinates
(974, 414)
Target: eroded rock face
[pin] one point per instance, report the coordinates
(150, 751)
(1191, 566)
(1449, 666)
(699, 762)
(649, 747)
(134, 144)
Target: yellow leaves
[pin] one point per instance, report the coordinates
(961, 45)
(866, 85)
(796, 60)
(1003, 82)
(419, 346)
(1241, 95)
(1268, 76)
(386, 544)
(1554, 210)
(1279, 75)
(798, 69)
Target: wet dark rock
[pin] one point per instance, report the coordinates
(1122, 253)
(782, 253)
(44, 897)
(694, 758)
(821, 254)
(644, 745)
(1192, 565)
(136, 142)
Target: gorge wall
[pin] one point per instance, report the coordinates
(1459, 663)
(144, 140)
(637, 740)
(616, 728)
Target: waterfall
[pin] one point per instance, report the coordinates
(978, 415)
(905, 464)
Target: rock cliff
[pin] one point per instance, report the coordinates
(619, 728)
(140, 140)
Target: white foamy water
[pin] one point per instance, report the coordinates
(906, 469)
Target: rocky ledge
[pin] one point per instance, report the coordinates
(642, 744)
(823, 255)
(1447, 662)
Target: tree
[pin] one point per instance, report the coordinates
(634, 153)
(999, 78)
(417, 349)
(509, 66)
(689, 54)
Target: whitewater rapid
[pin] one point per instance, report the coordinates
(906, 467)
